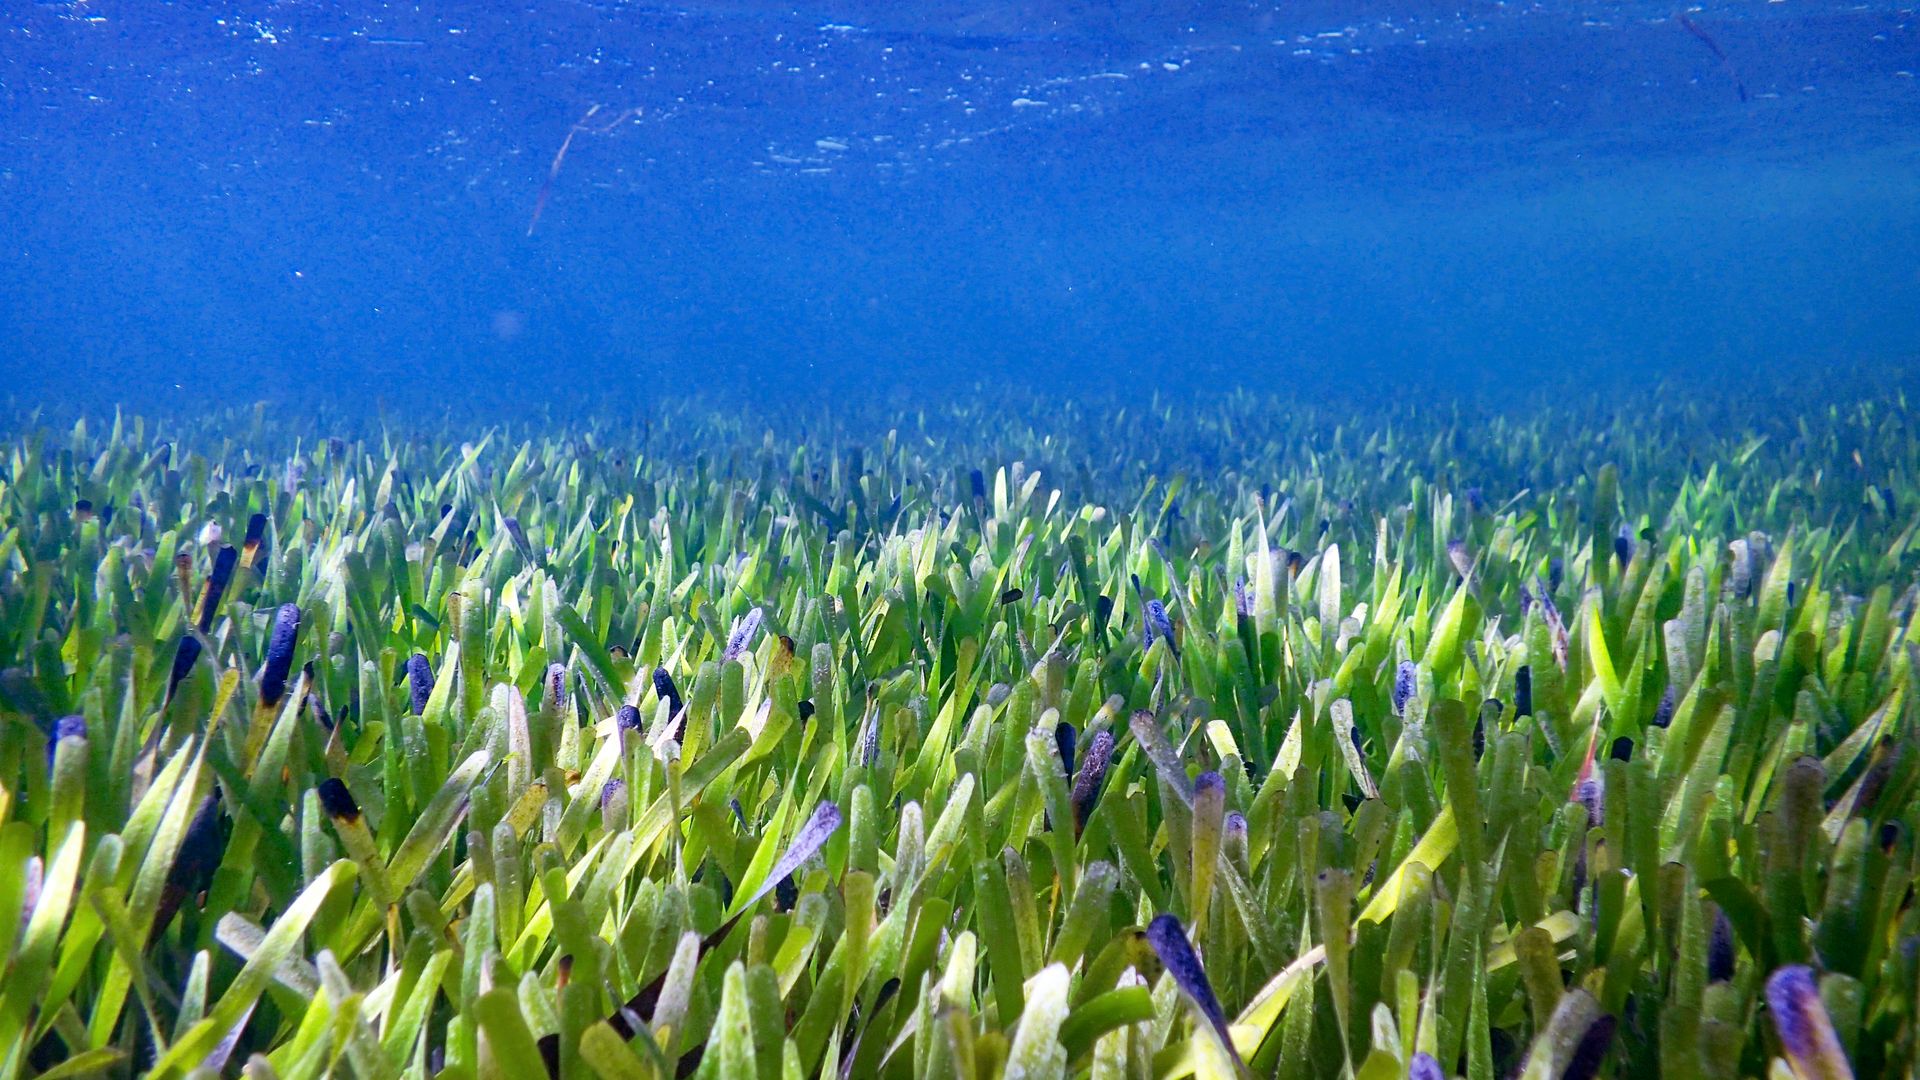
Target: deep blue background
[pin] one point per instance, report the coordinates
(294, 201)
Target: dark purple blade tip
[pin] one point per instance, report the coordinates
(183, 661)
(1169, 941)
(273, 674)
(811, 838)
(1093, 771)
(1591, 1050)
(200, 848)
(223, 564)
(1404, 680)
(1720, 952)
(336, 800)
(1064, 738)
(663, 686)
(419, 682)
(1793, 997)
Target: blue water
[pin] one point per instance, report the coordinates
(307, 202)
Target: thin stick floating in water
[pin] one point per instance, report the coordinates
(1714, 48)
(581, 125)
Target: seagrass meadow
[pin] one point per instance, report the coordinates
(1215, 738)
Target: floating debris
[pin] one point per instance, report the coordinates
(586, 125)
